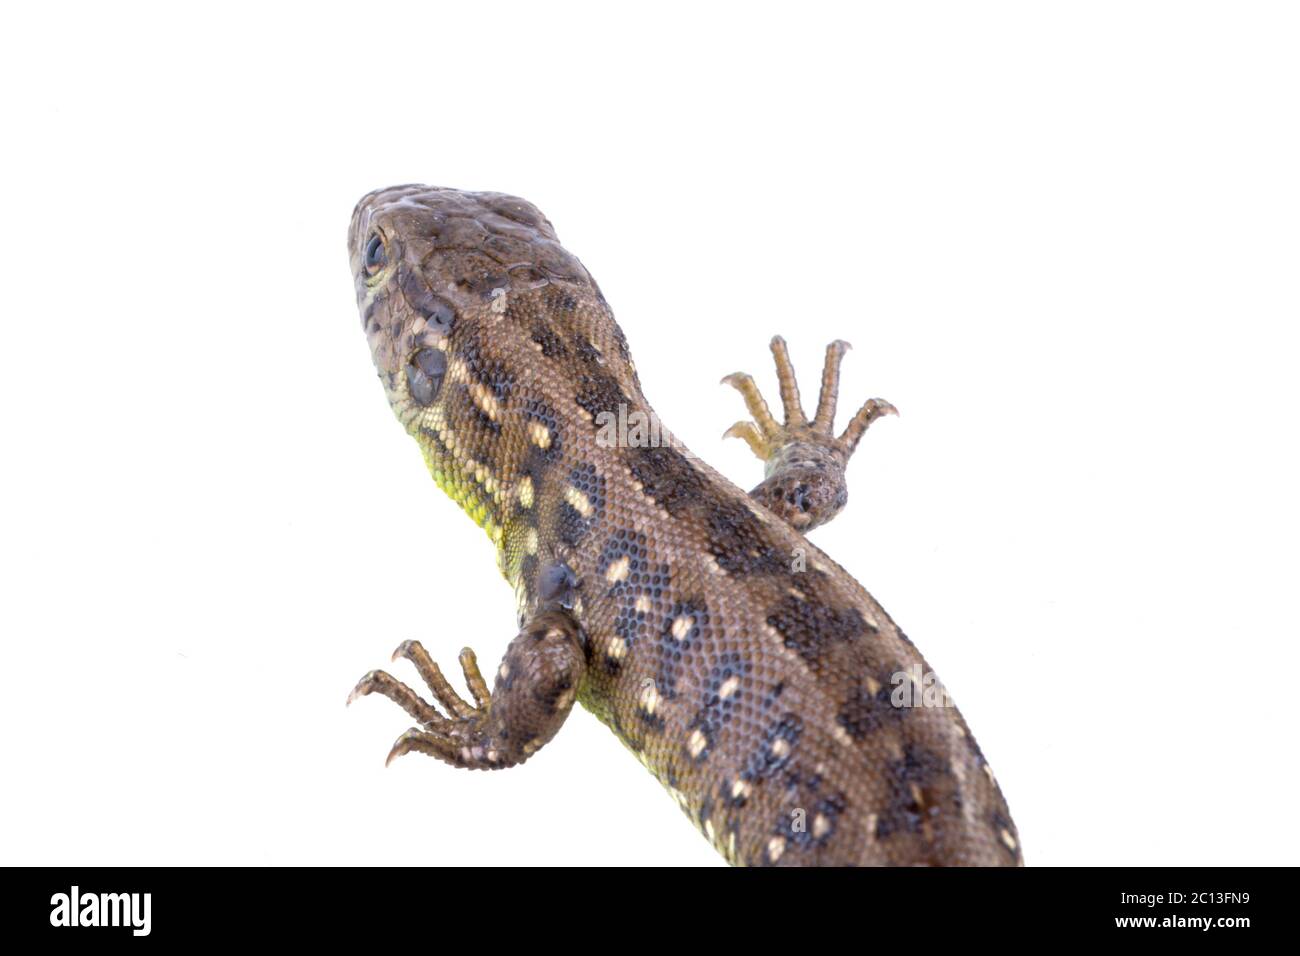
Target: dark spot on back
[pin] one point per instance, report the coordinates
(812, 628)
(901, 811)
(598, 392)
(865, 713)
(739, 543)
(675, 653)
(572, 524)
(667, 476)
(776, 748)
(828, 809)
(716, 711)
(624, 543)
(535, 410)
(642, 578)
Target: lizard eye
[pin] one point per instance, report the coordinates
(376, 256)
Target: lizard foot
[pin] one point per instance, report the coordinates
(535, 689)
(804, 460)
(437, 735)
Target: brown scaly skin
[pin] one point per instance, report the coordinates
(748, 672)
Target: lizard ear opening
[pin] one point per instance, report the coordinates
(424, 374)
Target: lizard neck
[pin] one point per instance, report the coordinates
(472, 485)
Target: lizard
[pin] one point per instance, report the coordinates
(751, 674)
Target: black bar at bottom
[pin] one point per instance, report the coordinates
(697, 907)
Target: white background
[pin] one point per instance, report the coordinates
(1062, 237)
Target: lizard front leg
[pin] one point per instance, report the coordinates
(804, 461)
(535, 688)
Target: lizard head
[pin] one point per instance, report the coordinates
(462, 295)
(433, 267)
